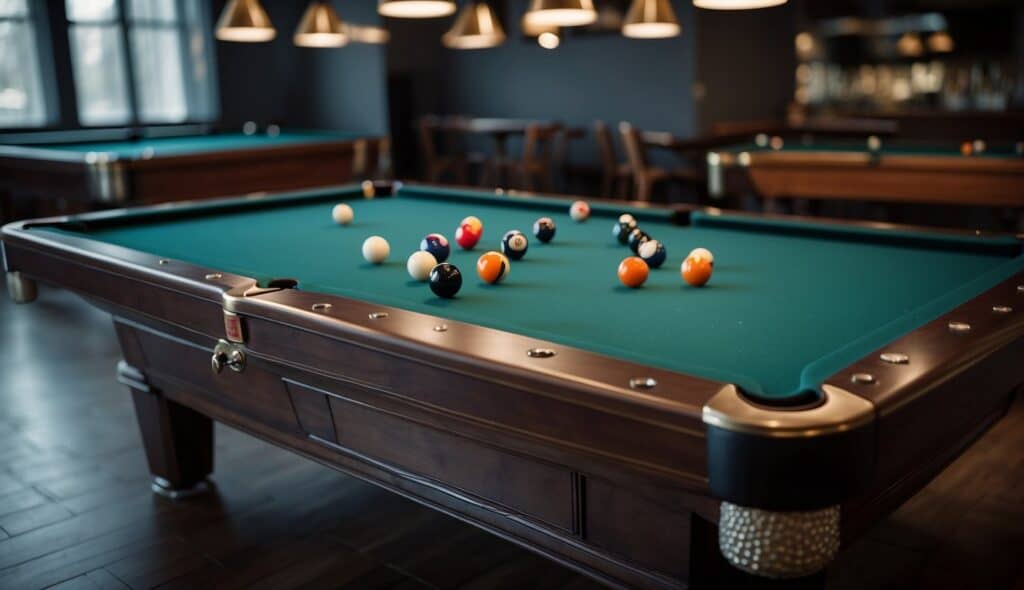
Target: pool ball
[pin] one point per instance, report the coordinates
(376, 249)
(469, 232)
(514, 244)
(874, 143)
(633, 272)
(703, 253)
(966, 148)
(696, 271)
(579, 211)
(419, 265)
(776, 143)
(437, 245)
(1019, 148)
(979, 146)
(622, 227)
(544, 229)
(445, 280)
(342, 214)
(369, 189)
(653, 253)
(474, 223)
(636, 237)
(493, 267)
(761, 139)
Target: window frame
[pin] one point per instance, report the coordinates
(36, 18)
(53, 40)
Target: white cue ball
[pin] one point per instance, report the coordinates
(874, 143)
(419, 265)
(342, 214)
(703, 253)
(376, 249)
(579, 211)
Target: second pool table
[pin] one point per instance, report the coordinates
(655, 437)
(151, 170)
(834, 169)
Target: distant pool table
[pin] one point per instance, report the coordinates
(157, 169)
(651, 437)
(836, 169)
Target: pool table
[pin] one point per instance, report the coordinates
(835, 169)
(116, 172)
(656, 437)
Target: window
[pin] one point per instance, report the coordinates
(22, 99)
(143, 61)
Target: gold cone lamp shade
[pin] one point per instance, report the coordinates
(736, 4)
(245, 21)
(910, 45)
(416, 8)
(941, 42)
(561, 13)
(651, 19)
(320, 27)
(477, 27)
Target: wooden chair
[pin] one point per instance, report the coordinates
(645, 175)
(540, 146)
(535, 169)
(615, 175)
(436, 164)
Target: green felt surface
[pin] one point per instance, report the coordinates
(173, 146)
(789, 304)
(793, 145)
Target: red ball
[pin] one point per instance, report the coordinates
(467, 237)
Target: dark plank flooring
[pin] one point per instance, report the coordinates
(76, 511)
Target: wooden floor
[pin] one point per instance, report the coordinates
(76, 511)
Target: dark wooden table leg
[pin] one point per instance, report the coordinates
(178, 440)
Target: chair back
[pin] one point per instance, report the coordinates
(539, 142)
(605, 148)
(428, 129)
(636, 153)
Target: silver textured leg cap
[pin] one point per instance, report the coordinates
(778, 544)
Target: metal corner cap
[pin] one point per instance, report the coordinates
(841, 411)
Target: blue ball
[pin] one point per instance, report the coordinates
(514, 244)
(653, 253)
(544, 229)
(437, 245)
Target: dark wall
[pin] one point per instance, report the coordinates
(745, 63)
(257, 80)
(277, 82)
(346, 87)
(588, 77)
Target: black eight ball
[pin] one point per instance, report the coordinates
(445, 280)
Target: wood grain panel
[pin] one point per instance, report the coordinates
(540, 491)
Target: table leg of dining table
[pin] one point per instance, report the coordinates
(500, 154)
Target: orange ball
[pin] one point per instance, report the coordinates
(966, 148)
(696, 270)
(633, 271)
(492, 267)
